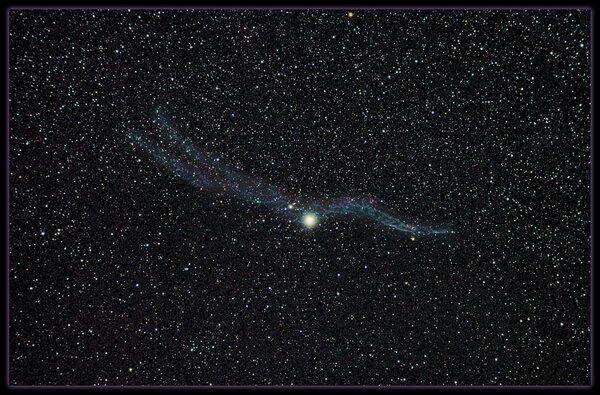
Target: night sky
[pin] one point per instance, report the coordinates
(128, 267)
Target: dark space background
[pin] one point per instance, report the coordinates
(122, 274)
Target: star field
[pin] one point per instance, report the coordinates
(122, 272)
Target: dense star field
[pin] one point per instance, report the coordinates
(241, 197)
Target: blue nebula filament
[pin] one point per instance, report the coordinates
(200, 169)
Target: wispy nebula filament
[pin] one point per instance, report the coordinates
(200, 169)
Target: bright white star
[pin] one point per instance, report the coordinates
(310, 220)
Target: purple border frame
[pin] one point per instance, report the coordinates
(167, 387)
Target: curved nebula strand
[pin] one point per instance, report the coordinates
(203, 170)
